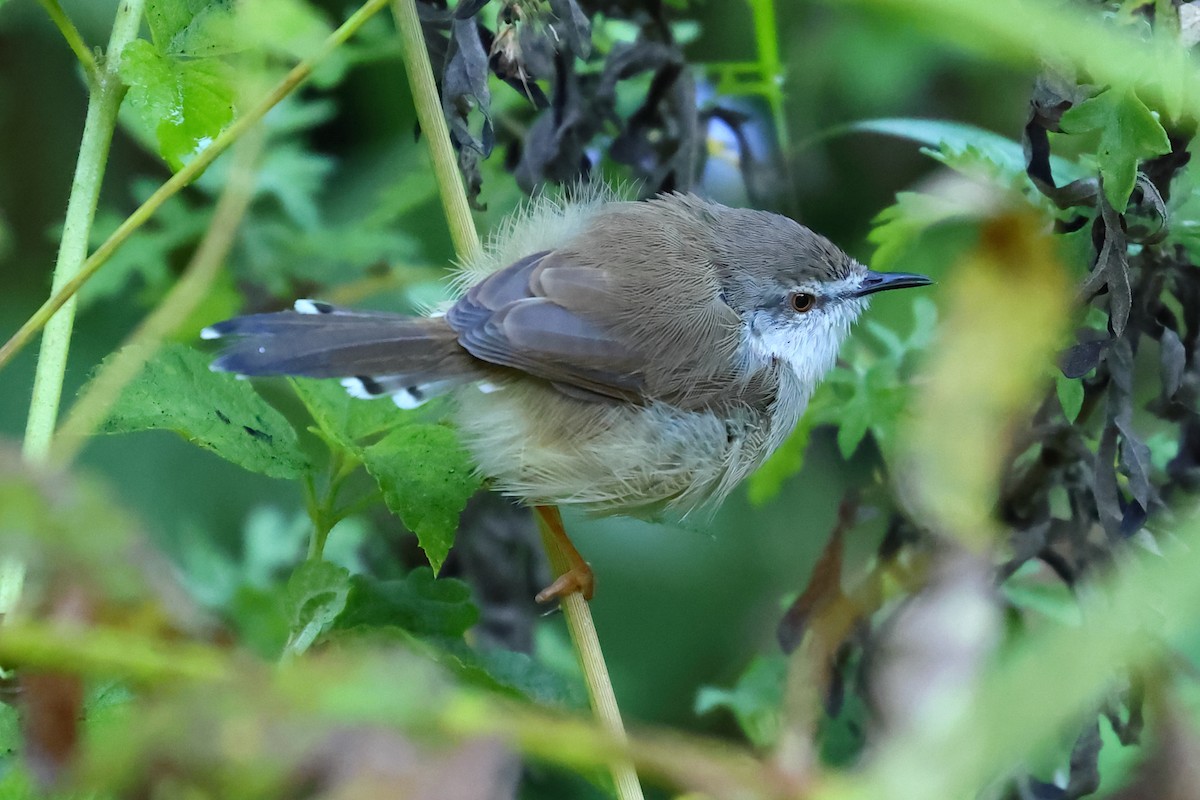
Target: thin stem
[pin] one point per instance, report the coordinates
(595, 671)
(74, 40)
(235, 131)
(179, 304)
(101, 121)
(437, 134)
(466, 243)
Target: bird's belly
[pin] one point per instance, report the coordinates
(545, 448)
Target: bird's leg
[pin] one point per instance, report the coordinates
(574, 574)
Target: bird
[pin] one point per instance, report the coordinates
(626, 357)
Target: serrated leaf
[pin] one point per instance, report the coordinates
(754, 701)
(177, 392)
(345, 419)
(426, 477)
(1129, 133)
(419, 603)
(1070, 395)
(316, 595)
(185, 102)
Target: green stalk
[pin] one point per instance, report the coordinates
(466, 244)
(74, 40)
(437, 133)
(103, 104)
(236, 130)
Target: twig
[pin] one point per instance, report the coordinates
(466, 243)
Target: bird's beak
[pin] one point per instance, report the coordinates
(882, 281)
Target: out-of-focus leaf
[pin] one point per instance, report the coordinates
(1173, 361)
(149, 255)
(1105, 488)
(1129, 133)
(1070, 396)
(947, 140)
(1082, 358)
(754, 700)
(1136, 461)
(176, 391)
(895, 229)
(1007, 308)
(419, 604)
(316, 595)
(51, 708)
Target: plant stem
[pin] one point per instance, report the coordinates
(103, 103)
(180, 179)
(466, 243)
(106, 91)
(74, 40)
(192, 287)
(437, 134)
(595, 671)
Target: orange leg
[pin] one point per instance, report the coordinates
(574, 574)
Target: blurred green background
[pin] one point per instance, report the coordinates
(677, 608)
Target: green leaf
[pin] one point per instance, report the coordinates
(754, 701)
(1070, 395)
(951, 142)
(316, 595)
(897, 228)
(261, 618)
(1129, 133)
(347, 420)
(190, 27)
(177, 392)
(419, 604)
(426, 477)
(184, 102)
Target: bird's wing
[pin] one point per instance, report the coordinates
(528, 316)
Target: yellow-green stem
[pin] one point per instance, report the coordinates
(74, 40)
(437, 134)
(103, 104)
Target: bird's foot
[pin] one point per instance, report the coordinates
(578, 578)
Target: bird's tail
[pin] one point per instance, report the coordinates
(410, 358)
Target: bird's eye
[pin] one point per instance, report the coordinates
(803, 301)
